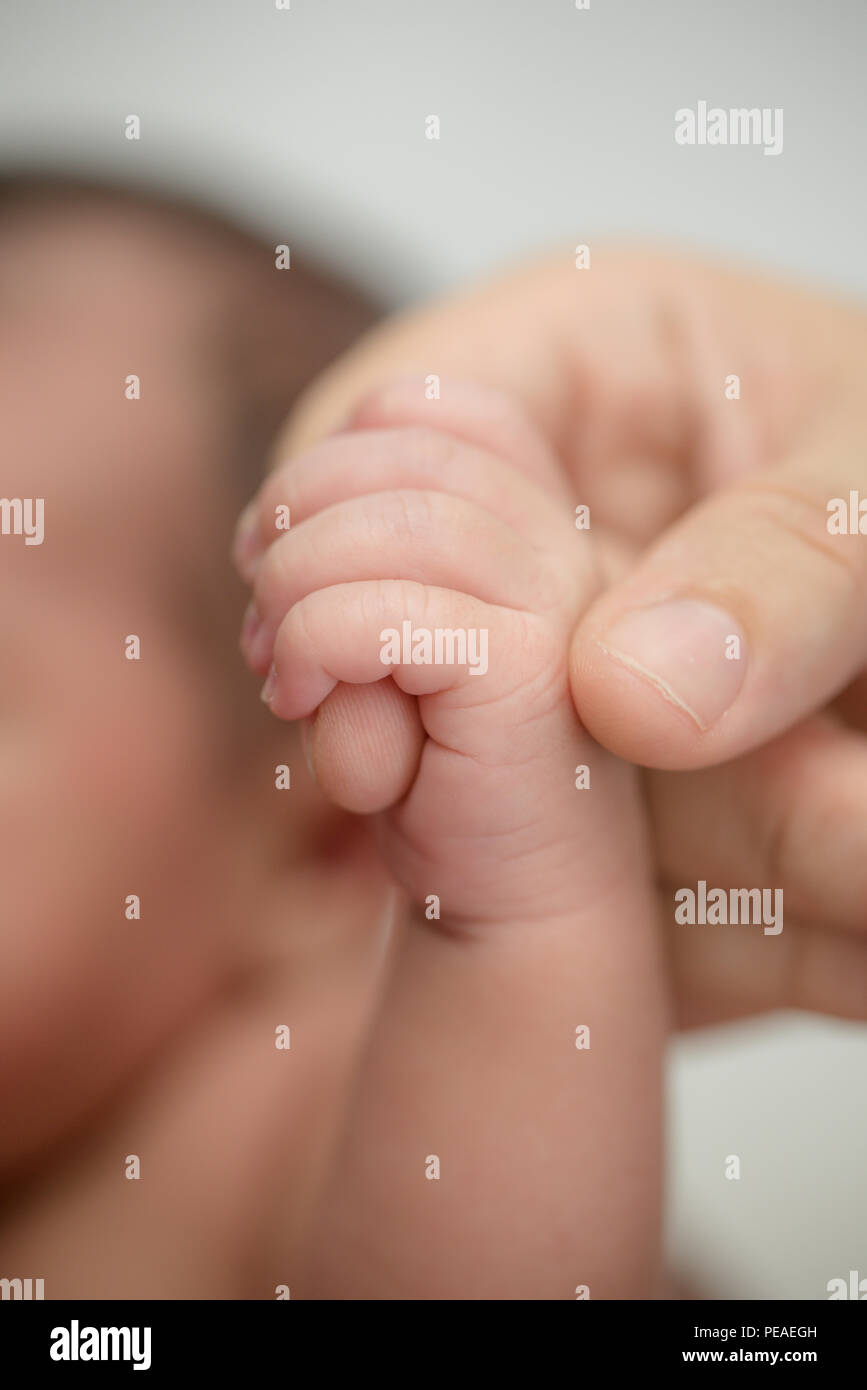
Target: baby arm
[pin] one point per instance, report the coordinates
(502, 1138)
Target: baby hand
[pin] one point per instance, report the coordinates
(419, 608)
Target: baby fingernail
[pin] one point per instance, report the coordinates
(247, 543)
(692, 652)
(269, 689)
(250, 626)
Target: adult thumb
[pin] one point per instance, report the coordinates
(746, 615)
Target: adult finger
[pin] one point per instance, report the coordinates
(748, 614)
(791, 815)
(722, 973)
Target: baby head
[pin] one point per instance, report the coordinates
(148, 352)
